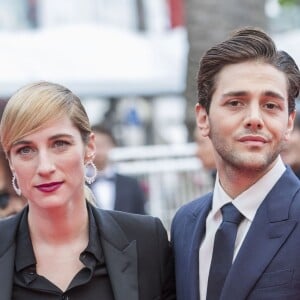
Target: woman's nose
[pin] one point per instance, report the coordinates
(46, 164)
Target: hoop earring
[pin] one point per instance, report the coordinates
(91, 179)
(15, 185)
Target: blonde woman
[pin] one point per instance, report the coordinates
(60, 246)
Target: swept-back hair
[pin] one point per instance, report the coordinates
(246, 44)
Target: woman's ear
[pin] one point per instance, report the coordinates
(202, 119)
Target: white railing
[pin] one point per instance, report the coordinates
(171, 175)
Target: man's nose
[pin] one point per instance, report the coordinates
(253, 119)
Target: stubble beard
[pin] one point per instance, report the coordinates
(246, 161)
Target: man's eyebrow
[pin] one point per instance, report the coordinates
(235, 94)
(273, 95)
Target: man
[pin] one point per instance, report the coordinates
(246, 106)
(112, 190)
(291, 153)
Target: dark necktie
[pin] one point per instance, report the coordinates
(223, 250)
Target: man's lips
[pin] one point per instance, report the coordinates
(49, 187)
(253, 138)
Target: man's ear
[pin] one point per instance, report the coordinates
(202, 119)
(290, 126)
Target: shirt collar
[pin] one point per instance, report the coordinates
(249, 200)
(24, 251)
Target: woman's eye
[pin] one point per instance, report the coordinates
(24, 150)
(61, 144)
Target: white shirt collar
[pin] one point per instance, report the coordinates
(109, 171)
(249, 201)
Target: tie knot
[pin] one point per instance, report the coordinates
(231, 214)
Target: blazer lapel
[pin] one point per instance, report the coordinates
(120, 257)
(269, 230)
(196, 231)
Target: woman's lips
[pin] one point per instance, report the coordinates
(49, 187)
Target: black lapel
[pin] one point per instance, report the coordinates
(120, 256)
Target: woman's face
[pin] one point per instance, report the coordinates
(49, 164)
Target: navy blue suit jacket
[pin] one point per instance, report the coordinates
(267, 265)
(129, 195)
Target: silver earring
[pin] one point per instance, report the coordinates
(15, 186)
(91, 179)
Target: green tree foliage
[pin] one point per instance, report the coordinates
(289, 2)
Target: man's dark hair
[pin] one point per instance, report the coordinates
(246, 44)
(100, 128)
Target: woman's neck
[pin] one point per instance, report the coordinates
(58, 226)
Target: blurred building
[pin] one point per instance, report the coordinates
(123, 57)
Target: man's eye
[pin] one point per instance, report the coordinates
(271, 106)
(234, 103)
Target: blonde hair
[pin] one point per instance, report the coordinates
(32, 106)
(35, 104)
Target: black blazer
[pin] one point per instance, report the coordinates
(129, 195)
(136, 250)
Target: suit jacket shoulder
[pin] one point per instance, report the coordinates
(8, 229)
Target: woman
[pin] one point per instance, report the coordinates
(60, 246)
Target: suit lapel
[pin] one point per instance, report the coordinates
(270, 229)
(195, 231)
(120, 257)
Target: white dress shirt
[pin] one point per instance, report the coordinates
(104, 189)
(247, 203)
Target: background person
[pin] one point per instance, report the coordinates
(113, 190)
(242, 241)
(205, 152)
(61, 246)
(291, 153)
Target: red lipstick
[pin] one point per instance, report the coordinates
(49, 187)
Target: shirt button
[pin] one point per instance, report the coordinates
(65, 297)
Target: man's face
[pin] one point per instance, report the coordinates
(291, 153)
(103, 146)
(248, 121)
